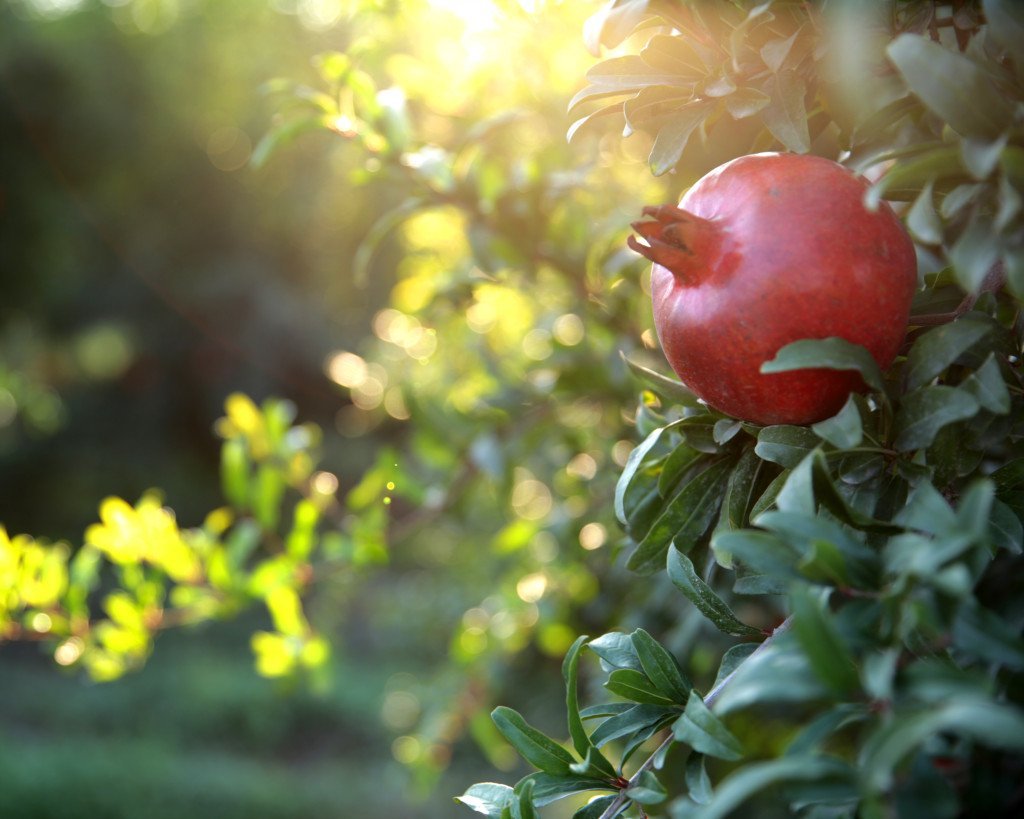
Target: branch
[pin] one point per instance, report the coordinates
(620, 801)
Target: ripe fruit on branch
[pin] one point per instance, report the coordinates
(765, 250)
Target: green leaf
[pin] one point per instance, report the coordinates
(595, 808)
(698, 783)
(786, 115)
(774, 52)
(615, 109)
(845, 429)
(810, 738)
(660, 667)
(635, 686)
(908, 177)
(539, 750)
(286, 132)
(829, 354)
(685, 578)
(488, 798)
(635, 718)
(647, 790)
(633, 462)
(823, 646)
(952, 85)
(780, 672)
(987, 386)
(704, 732)
(731, 660)
(584, 747)
(988, 723)
(679, 460)
(613, 24)
(616, 649)
(522, 801)
(685, 519)
(981, 156)
(785, 445)
(927, 410)
(974, 253)
(738, 499)
(548, 788)
(234, 472)
(1005, 529)
(770, 494)
(922, 220)
(745, 102)
(751, 779)
(982, 633)
(761, 552)
(673, 136)
(663, 385)
(1006, 26)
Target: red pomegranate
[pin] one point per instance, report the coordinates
(765, 250)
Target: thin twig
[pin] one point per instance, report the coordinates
(621, 800)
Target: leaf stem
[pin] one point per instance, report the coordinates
(622, 800)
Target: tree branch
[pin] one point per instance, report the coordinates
(621, 800)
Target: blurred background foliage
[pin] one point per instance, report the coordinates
(370, 208)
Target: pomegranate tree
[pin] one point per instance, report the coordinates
(765, 250)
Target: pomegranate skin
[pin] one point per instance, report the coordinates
(765, 250)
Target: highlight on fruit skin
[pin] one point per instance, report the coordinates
(765, 250)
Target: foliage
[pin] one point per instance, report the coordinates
(860, 575)
(888, 537)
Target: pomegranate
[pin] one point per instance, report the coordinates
(765, 250)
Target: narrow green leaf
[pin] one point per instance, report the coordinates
(751, 779)
(635, 718)
(952, 85)
(768, 497)
(548, 788)
(661, 667)
(941, 346)
(522, 801)
(922, 220)
(633, 462)
(774, 52)
(987, 386)
(786, 116)
(685, 578)
(286, 132)
(927, 410)
(906, 179)
(731, 660)
(635, 686)
(1006, 25)
(684, 520)
(738, 495)
(762, 552)
(974, 253)
(539, 750)
(824, 647)
(616, 649)
(647, 790)
(698, 783)
(615, 109)
(581, 742)
(488, 798)
(845, 429)
(630, 72)
(745, 102)
(828, 354)
(809, 740)
(676, 464)
(613, 24)
(779, 673)
(595, 808)
(982, 633)
(1005, 529)
(991, 724)
(704, 732)
(673, 136)
(785, 445)
(663, 385)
